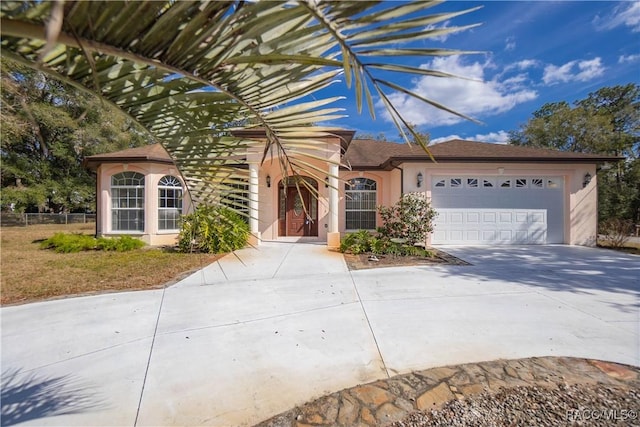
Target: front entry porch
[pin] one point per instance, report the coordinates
(298, 208)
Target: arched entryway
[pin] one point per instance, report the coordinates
(298, 207)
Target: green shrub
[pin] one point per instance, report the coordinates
(119, 244)
(410, 219)
(404, 225)
(357, 243)
(67, 243)
(213, 230)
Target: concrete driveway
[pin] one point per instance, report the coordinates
(253, 335)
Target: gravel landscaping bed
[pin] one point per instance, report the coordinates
(573, 405)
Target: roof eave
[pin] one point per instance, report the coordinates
(448, 159)
(94, 163)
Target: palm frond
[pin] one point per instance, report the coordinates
(190, 72)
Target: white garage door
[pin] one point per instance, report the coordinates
(486, 210)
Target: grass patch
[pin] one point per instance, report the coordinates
(32, 274)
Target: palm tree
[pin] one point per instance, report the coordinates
(189, 72)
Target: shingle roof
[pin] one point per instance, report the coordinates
(365, 154)
(370, 154)
(148, 153)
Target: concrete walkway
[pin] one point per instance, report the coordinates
(251, 336)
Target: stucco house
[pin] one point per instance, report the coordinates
(484, 193)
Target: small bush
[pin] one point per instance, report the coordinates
(615, 232)
(213, 230)
(68, 243)
(359, 242)
(119, 244)
(410, 219)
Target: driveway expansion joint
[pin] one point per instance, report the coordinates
(146, 370)
(366, 316)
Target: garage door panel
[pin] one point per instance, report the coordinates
(473, 218)
(488, 217)
(488, 236)
(472, 235)
(439, 235)
(522, 217)
(505, 236)
(506, 217)
(498, 226)
(530, 210)
(522, 236)
(536, 218)
(456, 218)
(456, 234)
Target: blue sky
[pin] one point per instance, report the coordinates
(536, 52)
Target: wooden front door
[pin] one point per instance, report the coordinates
(298, 223)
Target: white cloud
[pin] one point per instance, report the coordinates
(626, 14)
(526, 63)
(510, 44)
(581, 71)
(628, 58)
(475, 98)
(500, 137)
(444, 139)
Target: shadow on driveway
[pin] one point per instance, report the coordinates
(31, 397)
(555, 268)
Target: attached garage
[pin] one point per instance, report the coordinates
(486, 210)
(491, 194)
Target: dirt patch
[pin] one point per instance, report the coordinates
(366, 261)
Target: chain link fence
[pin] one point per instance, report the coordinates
(24, 219)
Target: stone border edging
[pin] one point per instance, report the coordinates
(385, 401)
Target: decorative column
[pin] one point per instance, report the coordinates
(333, 236)
(254, 189)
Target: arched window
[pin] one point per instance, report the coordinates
(127, 202)
(360, 195)
(169, 202)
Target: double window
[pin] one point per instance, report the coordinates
(127, 202)
(360, 195)
(169, 203)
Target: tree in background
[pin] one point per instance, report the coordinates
(605, 122)
(47, 129)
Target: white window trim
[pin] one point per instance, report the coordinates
(375, 210)
(112, 210)
(181, 209)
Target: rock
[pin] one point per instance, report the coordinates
(510, 371)
(614, 370)
(435, 397)
(348, 412)
(468, 390)
(368, 417)
(389, 413)
(371, 395)
(321, 411)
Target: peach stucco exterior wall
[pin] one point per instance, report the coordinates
(268, 196)
(153, 173)
(580, 204)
